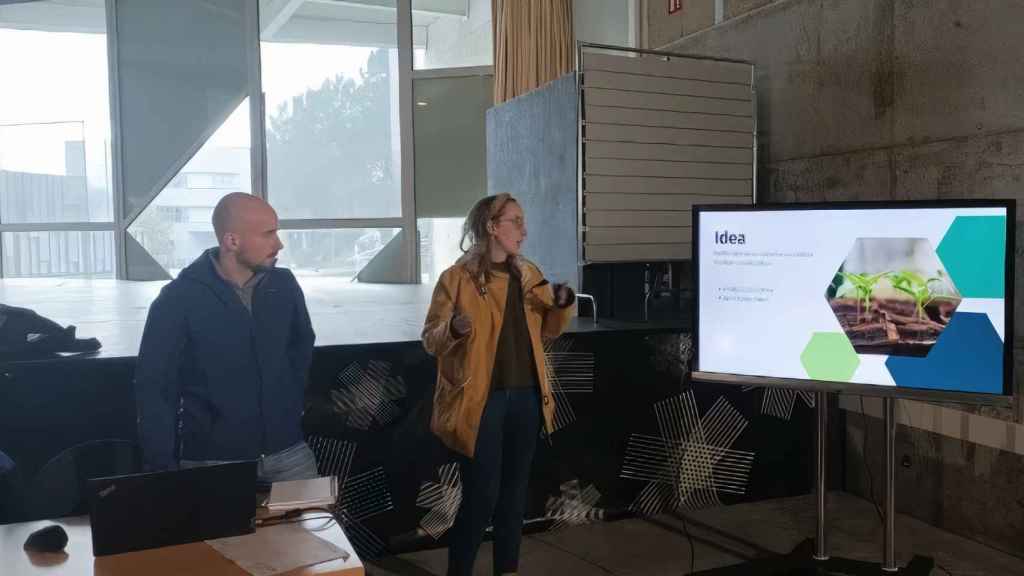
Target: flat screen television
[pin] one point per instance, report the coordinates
(880, 298)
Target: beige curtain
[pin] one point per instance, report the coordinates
(533, 44)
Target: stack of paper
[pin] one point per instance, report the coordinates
(303, 494)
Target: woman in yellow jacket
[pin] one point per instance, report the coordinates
(489, 314)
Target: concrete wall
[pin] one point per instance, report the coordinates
(605, 21)
(888, 99)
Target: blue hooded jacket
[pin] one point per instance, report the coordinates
(214, 382)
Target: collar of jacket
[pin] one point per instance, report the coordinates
(529, 275)
(202, 270)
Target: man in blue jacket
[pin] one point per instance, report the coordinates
(225, 355)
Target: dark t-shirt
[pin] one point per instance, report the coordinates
(514, 365)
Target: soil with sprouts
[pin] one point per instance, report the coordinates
(893, 326)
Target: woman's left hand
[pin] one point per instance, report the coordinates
(564, 296)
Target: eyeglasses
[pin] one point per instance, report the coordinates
(517, 222)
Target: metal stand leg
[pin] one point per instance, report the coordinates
(889, 551)
(820, 457)
(810, 557)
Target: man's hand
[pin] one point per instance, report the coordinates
(461, 325)
(564, 295)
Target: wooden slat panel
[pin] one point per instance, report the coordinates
(618, 133)
(637, 219)
(649, 101)
(663, 119)
(674, 202)
(641, 83)
(637, 252)
(737, 190)
(681, 67)
(594, 236)
(661, 168)
(637, 151)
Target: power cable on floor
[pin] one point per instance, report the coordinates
(689, 538)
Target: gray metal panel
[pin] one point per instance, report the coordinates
(661, 133)
(182, 72)
(663, 169)
(143, 266)
(666, 202)
(640, 83)
(619, 133)
(638, 151)
(649, 101)
(451, 155)
(388, 265)
(681, 67)
(596, 236)
(665, 119)
(531, 153)
(638, 252)
(638, 218)
(737, 190)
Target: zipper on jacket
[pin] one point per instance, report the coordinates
(259, 373)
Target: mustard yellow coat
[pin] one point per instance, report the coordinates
(464, 365)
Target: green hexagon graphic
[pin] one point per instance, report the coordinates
(830, 356)
(974, 252)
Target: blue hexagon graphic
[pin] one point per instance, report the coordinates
(968, 358)
(974, 252)
(892, 296)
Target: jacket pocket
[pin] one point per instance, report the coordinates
(452, 370)
(448, 399)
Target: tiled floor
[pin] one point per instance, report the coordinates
(722, 536)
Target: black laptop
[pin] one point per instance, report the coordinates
(142, 511)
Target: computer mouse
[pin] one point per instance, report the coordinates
(52, 538)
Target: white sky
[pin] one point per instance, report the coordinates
(65, 80)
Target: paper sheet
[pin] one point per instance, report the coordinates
(302, 493)
(276, 549)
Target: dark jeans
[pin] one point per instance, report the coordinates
(494, 482)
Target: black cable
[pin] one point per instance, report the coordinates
(867, 464)
(295, 521)
(295, 515)
(689, 538)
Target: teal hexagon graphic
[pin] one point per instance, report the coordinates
(892, 296)
(830, 356)
(974, 252)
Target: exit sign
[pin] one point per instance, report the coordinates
(674, 6)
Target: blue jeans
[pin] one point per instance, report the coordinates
(495, 481)
(294, 463)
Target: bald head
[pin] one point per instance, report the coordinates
(233, 210)
(246, 229)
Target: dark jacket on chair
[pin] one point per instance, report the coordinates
(214, 382)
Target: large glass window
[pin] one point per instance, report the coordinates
(439, 245)
(340, 253)
(330, 79)
(177, 225)
(55, 139)
(63, 253)
(332, 117)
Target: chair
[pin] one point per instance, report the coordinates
(59, 488)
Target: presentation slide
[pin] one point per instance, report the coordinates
(910, 297)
